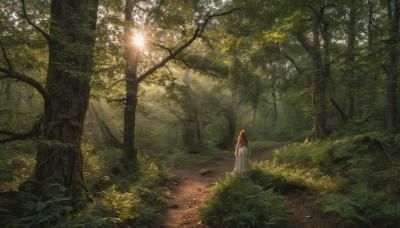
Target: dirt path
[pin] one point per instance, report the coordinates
(193, 188)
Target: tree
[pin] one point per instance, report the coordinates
(71, 41)
(133, 79)
(391, 68)
(350, 58)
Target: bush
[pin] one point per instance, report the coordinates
(286, 177)
(238, 202)
(356, 178)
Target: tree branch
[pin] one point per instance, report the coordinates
(201, 69)
(25, 15)
(169, 57)
(152, 11)
(336, 57)
(162, 47)
(313, 9)
(22, 77)
(325, 7)
(197, 33)
(116, 83)
(298, 69)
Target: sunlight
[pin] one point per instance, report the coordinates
(139, 41)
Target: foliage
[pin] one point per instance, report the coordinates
(38, 213)
(17, 163)
(355, 177)
(284, 178)
(238, 202)
(261, 67)
(132, 199)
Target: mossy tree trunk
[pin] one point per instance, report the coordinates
(59, 158)
(318, 49)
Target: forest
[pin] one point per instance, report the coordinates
(128, 113)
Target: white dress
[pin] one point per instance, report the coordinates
(242, 163)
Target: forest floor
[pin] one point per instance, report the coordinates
(194, 186)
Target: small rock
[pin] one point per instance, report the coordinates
(204, 172)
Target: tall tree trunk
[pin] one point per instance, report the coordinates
(191, 132)
(254, 107)
(319, 53)
(350, 58)
(129, 154)
(273, 93)
(393, 7)
(231, 117)
(373, 84)
(58, 168)
(321, 69)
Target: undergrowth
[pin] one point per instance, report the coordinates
(356, 178)
(239, 202)
(17, 161)
(121, 198)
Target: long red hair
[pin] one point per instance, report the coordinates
(242, 139)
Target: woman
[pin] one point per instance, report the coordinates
(242, 153)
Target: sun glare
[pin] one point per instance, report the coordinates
(138, 39)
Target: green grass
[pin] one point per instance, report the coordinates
(284, 177)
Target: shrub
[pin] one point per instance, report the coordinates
(285, 177)
(238, 202)
(356, 177)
